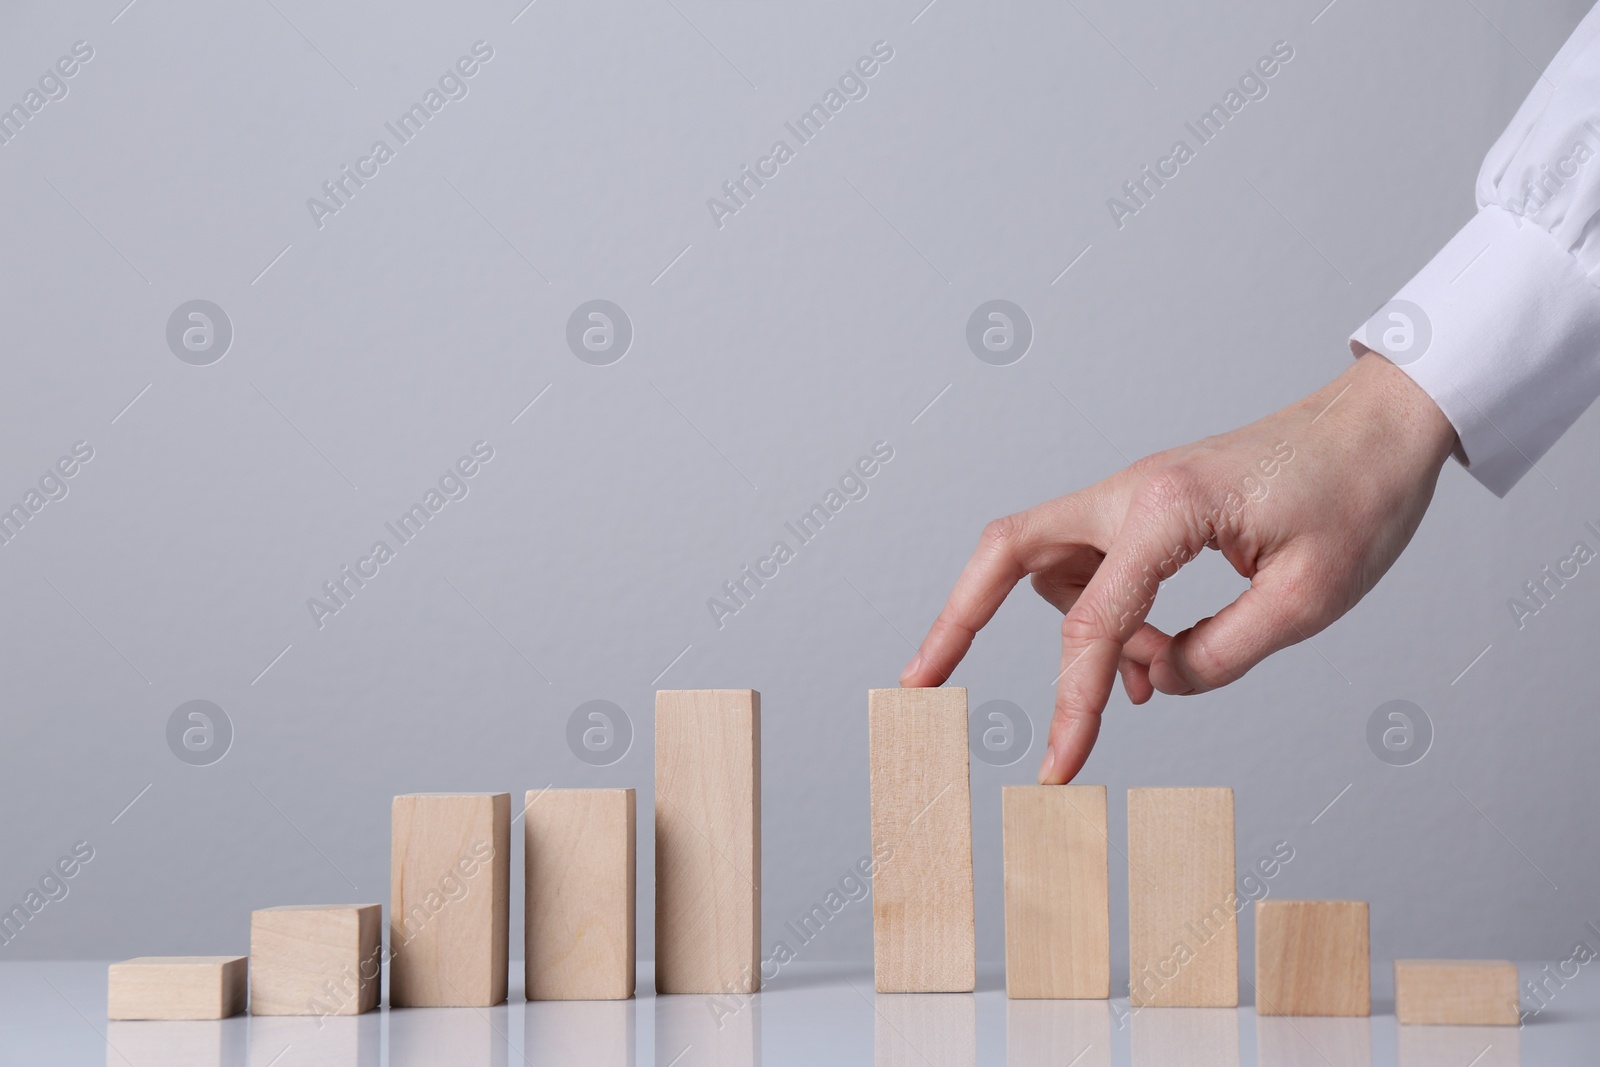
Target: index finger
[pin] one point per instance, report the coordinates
(1010, 549)
(1111, 611)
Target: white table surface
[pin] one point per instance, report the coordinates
(54, 1014)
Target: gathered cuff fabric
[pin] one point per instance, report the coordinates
(1502, 330)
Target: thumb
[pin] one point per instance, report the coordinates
(1274, 613)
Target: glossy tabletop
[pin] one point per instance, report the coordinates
(54, 1013)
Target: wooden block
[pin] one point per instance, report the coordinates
(176, 987)
(1311, 958)
(922, 914)
(708, 841)
(449, 899)
(1456, 992)
(1182, 924)
(579, 905)
(315, 959)
(1058, 917)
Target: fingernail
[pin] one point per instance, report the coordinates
(914, 665)
(1047, 768)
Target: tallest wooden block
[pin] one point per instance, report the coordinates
(922, 915)
(708, 841)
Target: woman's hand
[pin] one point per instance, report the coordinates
(1312, 504)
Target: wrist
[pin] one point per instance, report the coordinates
(1382, 399)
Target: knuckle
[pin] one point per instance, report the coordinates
(1084, 623)
(1001, 535)
(1303, 599)
(1173, 487)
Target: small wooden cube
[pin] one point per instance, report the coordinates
(1312, 958)
(176, 987)
(1456, 992)
(315, 959)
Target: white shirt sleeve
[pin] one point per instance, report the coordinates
(1502, 327)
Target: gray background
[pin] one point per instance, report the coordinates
(823, 317)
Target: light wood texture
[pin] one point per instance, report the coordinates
(449, 899)
(913, 1031)
(1312, 958)
(315, 959)
(579, 904)
(176, 987)
(922, 912)
(1076, 1032)
(1456, 992)
(1058, 915)
(708, 841)
(1469, 1046)
(1182, 925)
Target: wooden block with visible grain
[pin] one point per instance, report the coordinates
(1182, 924)
(449, 899)
(315, 959)
(579, 904)
(708, 841)
(1456, 992)
(923, 938)
(1058, 917)
(176, 987)
(1312, 958)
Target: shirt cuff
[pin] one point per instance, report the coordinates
(1502, 330)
